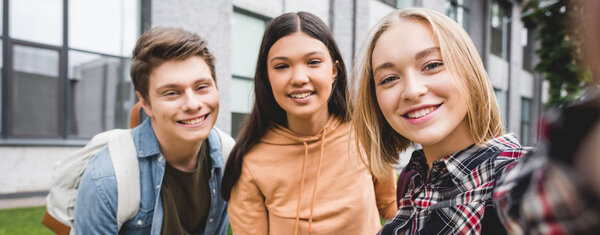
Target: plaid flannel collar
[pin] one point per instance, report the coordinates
(462, 163)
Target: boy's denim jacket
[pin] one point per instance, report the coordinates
(96, 205)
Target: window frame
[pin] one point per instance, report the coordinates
(525, 124)
(64, 138)
(453, 7)
(506, 31)
(235, 129)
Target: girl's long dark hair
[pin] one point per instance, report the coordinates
(266, 111)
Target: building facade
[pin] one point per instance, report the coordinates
(65, 64)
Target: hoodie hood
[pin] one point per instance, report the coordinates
(280, 135)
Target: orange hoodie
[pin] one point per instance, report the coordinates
(293, 184)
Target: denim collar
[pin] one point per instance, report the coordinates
(147, 145)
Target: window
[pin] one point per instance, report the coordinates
(34, 92)
(107, 26)
(392, 3)
(525, 121)
(247, 34)
(500, 24)
(67, 82)
(528, 44)
(36, 21)
(458, 10)
(501, 100)
(400, 4)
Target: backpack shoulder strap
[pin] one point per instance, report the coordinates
(127, 172)
(227, 143)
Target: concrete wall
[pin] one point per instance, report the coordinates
(27, 169)
(516, 63)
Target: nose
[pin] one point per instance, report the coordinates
(414, 87)
(299, 76)
(192, 101)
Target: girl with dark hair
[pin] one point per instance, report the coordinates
(294, 167)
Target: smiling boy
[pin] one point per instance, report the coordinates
(179, 151)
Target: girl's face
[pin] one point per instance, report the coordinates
(301, 74)
(416, 92)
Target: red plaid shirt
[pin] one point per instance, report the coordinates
(543, 193)
(454, 198)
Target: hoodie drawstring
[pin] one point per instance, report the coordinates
(312, 203)
(314, 194)
(301, 188)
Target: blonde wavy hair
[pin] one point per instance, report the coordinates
(379, 144)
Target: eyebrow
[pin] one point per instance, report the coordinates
(174, 85)
(426, 52)
(419, 55)
(386, 65)
(305, 55)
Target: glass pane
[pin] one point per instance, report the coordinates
(525, 120)
(389, 2)
(108, 26)
(1, 20)
(237, 122)
(1, 82)
(500, 24)
(528, 49)
(246, 37)
(101, 93)
(37, 21)
(35, 105)
(525, 110)
(462, 17)
(242, 95)
(501, 99)
(401, 4)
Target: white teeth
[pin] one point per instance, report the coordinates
(194, 121)
(421, 112)
(300, 95)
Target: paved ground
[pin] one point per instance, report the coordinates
(22, 200)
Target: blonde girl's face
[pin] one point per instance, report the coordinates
(415, 91)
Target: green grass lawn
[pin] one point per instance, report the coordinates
(28, 221)
(23, 221)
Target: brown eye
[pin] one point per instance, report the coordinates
(314, 62)
(169, 93)
(281, 66)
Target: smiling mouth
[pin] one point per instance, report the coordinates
(193, 121)
(421, 112)
(301, 95)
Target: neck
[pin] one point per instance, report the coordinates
(182, 155)
(308, 126)
(459, 139)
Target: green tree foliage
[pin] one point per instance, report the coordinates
(560, 57)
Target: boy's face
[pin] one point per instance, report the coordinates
(183, 101)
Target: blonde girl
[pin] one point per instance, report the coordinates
(423, 82)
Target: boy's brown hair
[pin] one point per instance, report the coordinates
(162, 44)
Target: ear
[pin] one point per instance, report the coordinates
(145, 104)
(335, 69)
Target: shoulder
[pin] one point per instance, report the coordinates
(505, 151)
(98, 182)
(100, 166)
(99, 176)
